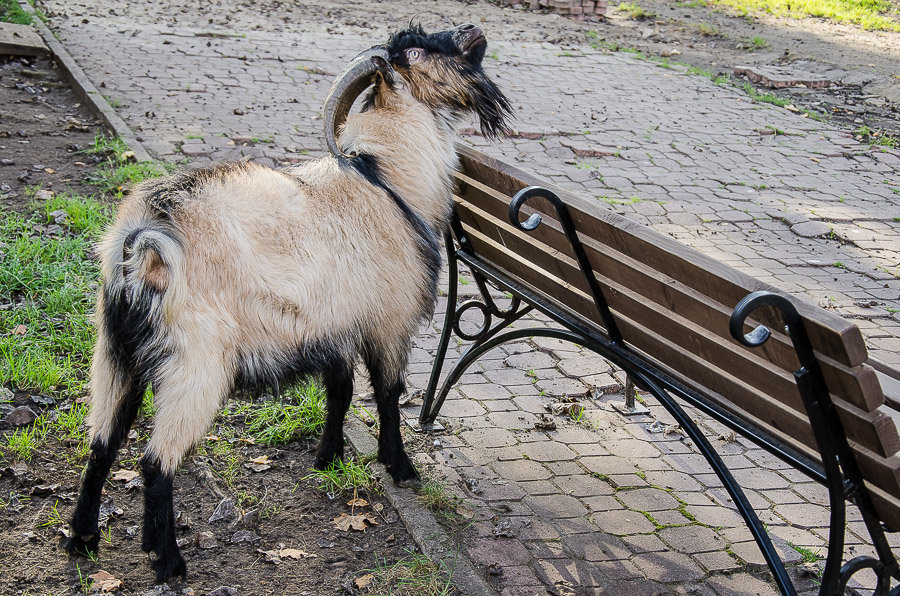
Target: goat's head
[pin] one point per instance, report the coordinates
(441, 70)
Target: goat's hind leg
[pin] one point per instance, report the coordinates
(338, 380)
(113, 410)
(186, 404)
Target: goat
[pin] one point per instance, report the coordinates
(242, 276)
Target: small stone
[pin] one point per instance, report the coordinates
(245, 536)
(21, 416)
(42, 400)
(238, 112)
(22, 133)
(59, 216)
(223, 591)
(225, 511)
(206, 540)
(7, 162)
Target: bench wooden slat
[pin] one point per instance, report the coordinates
(676, 298)
(859, 385)
(835, 337)
(871, 429)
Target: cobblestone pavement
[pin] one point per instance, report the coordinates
(607, 504)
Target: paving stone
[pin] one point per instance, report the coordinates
(556, 506)
(692, 539)
(647, 499)
(582, 485)
(596, 547)
(485, 438)
(623, 522)
(547, 451)
(669, 567)
(716, 561)
(505, 552)
(741, 584)
(521, 470)
(571, 572)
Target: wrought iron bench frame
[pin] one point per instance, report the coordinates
(838, 470)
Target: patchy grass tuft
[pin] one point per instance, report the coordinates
(415, 575)
(299, 412)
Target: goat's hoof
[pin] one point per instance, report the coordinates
(410, 483)
(324, 462)
(404, 474)
(82, 544)
(169, 567)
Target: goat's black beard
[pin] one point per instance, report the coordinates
(492, 107)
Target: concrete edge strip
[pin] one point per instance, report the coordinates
(424, 528)
(85, 89)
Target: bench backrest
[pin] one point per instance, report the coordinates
(673, 305)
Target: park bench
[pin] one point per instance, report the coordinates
(790, 376)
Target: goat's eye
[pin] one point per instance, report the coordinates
(414, 54)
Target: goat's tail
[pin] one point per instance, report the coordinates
(151, 270)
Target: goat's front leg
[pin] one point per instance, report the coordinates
(388, 386)
(114, 413)
(338, 380)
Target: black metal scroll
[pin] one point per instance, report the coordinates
(843, 479)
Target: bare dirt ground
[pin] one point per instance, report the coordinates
(864, 66)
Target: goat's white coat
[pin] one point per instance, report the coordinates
(272, 260)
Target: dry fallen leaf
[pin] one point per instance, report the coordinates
(262, 460)
(213, 438)
(105, 582)
(364, 580)
(20, 330)
(296, 553)
(125, 475)
(357, 502)
(356, 522)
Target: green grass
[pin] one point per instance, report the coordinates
(23, 442)
(758, 42)
(636, 12)
(118, 171)
(299, 412)
(876, 137)
(414, 575)
(435, 497)
(868, 14)
(707, 30)
(11, 12)
(51, 281)
(343, 477)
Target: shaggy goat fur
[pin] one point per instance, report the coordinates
(241, 276)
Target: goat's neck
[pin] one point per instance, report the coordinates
(416, 158)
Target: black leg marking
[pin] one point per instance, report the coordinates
(388, 388)
(85, 534)
(159, 522)
(338, 380)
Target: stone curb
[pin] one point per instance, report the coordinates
(422, 525)
(86, 89)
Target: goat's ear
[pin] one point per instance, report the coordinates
(385, 70)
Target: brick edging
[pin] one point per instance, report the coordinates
(85, 89)
(421, 523)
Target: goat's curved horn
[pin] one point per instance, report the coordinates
(348, 85)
